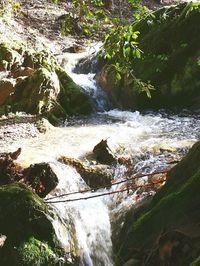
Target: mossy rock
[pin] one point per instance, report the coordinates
(8, 56)
(171, 220)
(24, 217)
(170, 43)
(36, 94)
(51, 94)
(36, 252)
(72, 98)
(196, 262)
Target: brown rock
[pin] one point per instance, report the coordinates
(22, 72)
(103, 153)
(7, 86)
(95, 176)
(41, 178)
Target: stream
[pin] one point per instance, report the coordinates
(152, 140)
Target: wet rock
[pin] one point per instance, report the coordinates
(7, 86)
(22, 72)
(41, 178)
(74, 49)
(72, 98)
(161, 234)
(9, 171)
(26, 222)
(95, 176)
(103, 153)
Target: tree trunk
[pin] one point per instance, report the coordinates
(108, 4)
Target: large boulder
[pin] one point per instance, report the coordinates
(25, 223)
(167, 232)
(170, 41)
(37, 94)
(49, 93)
(71, 97)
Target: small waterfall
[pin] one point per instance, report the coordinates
(149, 139)
(90, 221)
(86, 81)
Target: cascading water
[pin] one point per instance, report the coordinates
(151, 140)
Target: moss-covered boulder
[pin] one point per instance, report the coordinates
(38, 84)
(9, 57)
(167, 232)
(49, 93)
(26, 223)
(170, 41)
(71, 97)
(36, 94)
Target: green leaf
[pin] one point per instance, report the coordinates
(137, 53)
(118, 76)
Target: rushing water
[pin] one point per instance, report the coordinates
(151, 140)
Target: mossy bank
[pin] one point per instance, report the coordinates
(169, 39)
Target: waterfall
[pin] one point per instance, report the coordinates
(90, 220)
(151, 140)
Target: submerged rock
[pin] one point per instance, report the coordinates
(95, 175)
(167, 230)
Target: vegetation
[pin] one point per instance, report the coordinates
(25, 222)
(170, 218)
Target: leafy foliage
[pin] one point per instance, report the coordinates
(121, 47)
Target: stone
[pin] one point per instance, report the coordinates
(22, 72)
(7, 86)
(37, 94)
(103, 153)
(25, 219)
(95, 176)
(9, 171)
(41, 178)
(161, 229)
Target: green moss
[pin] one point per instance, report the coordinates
(20, 209)
(34, 252)
(25, 221)
(196, 262)
(72, 98)
(174, 206)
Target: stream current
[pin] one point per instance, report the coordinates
(153, 140)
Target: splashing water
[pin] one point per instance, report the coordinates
(149, 139)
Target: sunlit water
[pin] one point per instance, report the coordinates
(149, 139)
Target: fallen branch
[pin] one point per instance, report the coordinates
(128, 188)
